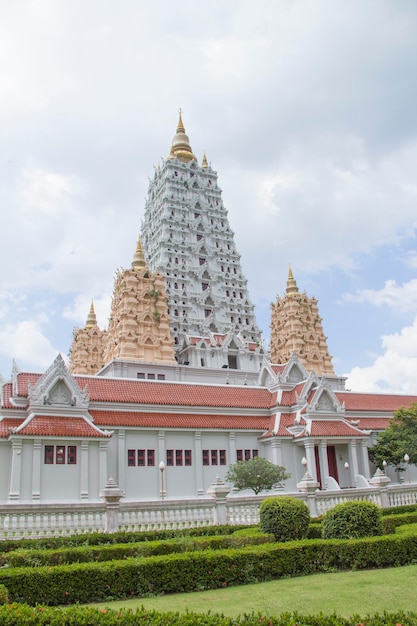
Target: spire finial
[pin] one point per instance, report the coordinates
(180, 147)
(138, 262)
(204, 161)
(291, 284)
(91, 319)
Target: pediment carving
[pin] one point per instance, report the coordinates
(57, 387)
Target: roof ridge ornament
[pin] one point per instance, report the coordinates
(180, 147)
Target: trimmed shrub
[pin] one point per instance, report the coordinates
(4, 595)
(284, 517)
(352, 520)
(391, 522)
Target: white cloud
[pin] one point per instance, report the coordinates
(395, 369)
(28, 344)
(399, 297)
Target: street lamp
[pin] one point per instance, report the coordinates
(384, 465)
(407, 461)
(162, 470)
(347, 474)
(304, 464)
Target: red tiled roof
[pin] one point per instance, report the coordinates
(371, 423)
(180, 420)
(182, 394)
(6, 424)
(52, 426)
(278, 368)
(286, 420)
(374, 401)
(331, 428)
(23, 380)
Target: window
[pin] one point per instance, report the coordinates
(214, 457)
(140, 375)
(151, 376)
(188, 457)
(207, 312)
(140, 458)
(49, 455)
(201, 261)
(170, 457)
(161, 376)
(72, 455)
(204, 286)
(151, 458)
(246, 455)
(60, 455)
(178, 457)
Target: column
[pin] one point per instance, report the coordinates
(276, 452)
(161, 457)
(15, 475)
(36, 470)
(198, 464)
(121, 459)
(353, 470)
(84, 470)
(232, 448)
(102, 463)
(324, 463)
(363, 454)
(311, 460)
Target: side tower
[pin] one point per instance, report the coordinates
(138, 328)
(296, 327)
(87, 349)
(187, 237)
(139, 322)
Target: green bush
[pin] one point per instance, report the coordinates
(206, 569)
(395, 510)
(352, 520)
(92, 616)
(391, 522)
(284, 517)
(4, 595)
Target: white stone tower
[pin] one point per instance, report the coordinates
(186, 236)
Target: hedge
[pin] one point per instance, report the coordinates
(197, 571)
(88, 554)
(88, 616)
(98, 539)
(391, 522)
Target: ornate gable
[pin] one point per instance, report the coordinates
(294, 371)
(324, 403)
(57, 387)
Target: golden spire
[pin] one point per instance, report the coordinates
(138, 262)
(180, 147)
(204, 162)
(91, 319)
(291, 284)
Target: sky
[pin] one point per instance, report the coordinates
(305, 108)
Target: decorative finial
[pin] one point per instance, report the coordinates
(138, 262)
(180, 147)
(291, 284)
(91, 319)
(204, 162)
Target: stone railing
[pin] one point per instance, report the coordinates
(56, 520)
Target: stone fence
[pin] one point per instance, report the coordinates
(219, 507)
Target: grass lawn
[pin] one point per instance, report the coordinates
(346, 593)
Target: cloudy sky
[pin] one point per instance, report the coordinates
(307, 109)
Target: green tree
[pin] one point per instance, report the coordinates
(399, 439)
(258, 474)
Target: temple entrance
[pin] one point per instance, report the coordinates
(331, 460)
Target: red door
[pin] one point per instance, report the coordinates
(331, 458)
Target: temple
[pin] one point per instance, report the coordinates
(180, 375)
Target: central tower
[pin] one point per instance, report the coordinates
(186, 236)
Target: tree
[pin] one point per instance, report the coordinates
(257, 474)
(399, 439)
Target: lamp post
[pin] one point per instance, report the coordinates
(407, 464)
(384, 465)
(162, 470)
(347, 474)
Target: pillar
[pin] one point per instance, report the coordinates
(276, 452)
(84, 471)
(311, 460)
(36, 470)
(324, 463)
(363, 454)
(15, 476)
(353, 470)
(121, 459)
(198, 464)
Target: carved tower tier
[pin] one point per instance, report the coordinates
(296, 327)
(186, 236)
